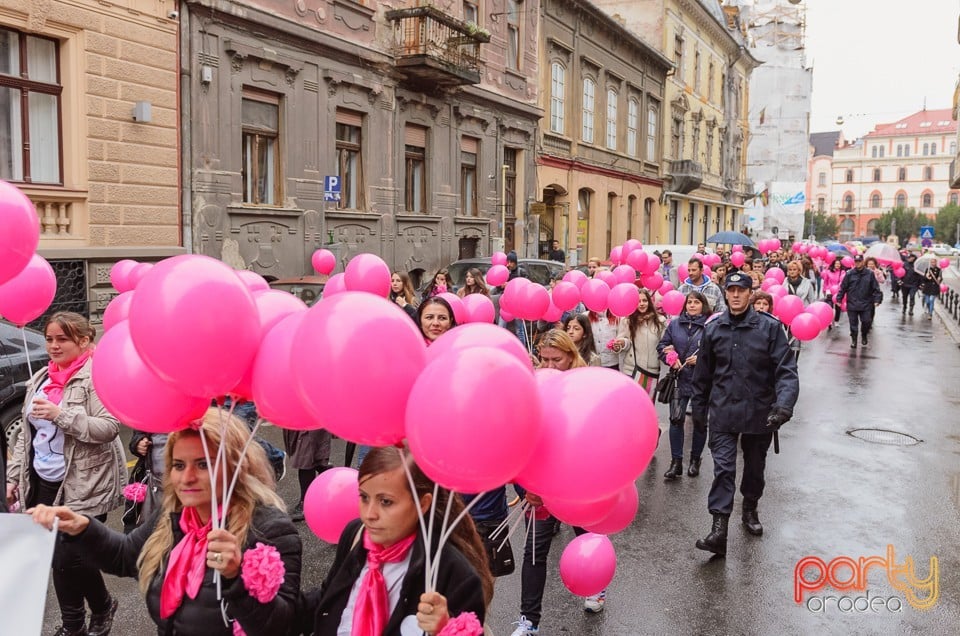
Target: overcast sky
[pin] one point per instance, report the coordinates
(875, 61)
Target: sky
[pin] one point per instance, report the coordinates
(875, 61)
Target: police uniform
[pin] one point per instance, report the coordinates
(745, 385)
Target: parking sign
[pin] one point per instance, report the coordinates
(331, 188)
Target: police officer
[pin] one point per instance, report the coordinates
(746, 382)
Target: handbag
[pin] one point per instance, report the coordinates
(667, 388)
(500, 558)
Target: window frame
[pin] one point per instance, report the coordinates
(926, 200)
(558, 102)
(876, 175)
(653, 130)
(633, 127)
(415, 161)
(822, 179)
(469, 198)
(587, 119)
(274, 99)
(514, 19)
(610, 140)
(350, 192)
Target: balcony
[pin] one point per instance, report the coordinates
(435, 50)
(62, 213)
(686, 175)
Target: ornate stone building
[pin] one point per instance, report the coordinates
(426, 115)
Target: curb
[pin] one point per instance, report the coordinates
(951, 326)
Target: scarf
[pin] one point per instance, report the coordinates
(187, 564)
(372, 611)
(59, 377)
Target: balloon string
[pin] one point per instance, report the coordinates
(443, 528)
(509, 519)
(449, 532)
(423, 523)
(433, 515)
(213, 504)
(236, 472)
(532, 519)
(513, 528)
(26, 352)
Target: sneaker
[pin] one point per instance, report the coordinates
(297, 513)
(594, 604)
(524, 628)
(101, 624)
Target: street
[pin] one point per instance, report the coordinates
(829, 494)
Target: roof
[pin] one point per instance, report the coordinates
(824, 143)
(924, 122)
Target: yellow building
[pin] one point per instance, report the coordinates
(89, 131)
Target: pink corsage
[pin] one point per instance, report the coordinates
(135, 492)
(611, 343)
(262, 572)
(465, 624)
(671, 358)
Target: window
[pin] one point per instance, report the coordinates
(653, 116)
(469, 151)
(881, 152)
(709, 160)
(906, 150)
(611, 119)
(902, 174)
(611, 204)
(848, 202)
(647, 219)
(260, 120)
(510, 159)
(631, 210)
(926, 149)
(953, 198)
(875, 201)
(514, 15)
(583, 219)
(415, 153)
(676, 138)
(821, 204)
(849, 176)
(953, 147)
(933, 148)
(927, 173)
(589, 105)
(873, 152)
(822, 179)
(558, 87)
(876, 174)
(696, 140)
(926, 200)
(29, 108)
(899, 150)
(633, 126)
(349, 164)
(696, 71)
(678, 57)
(471, 13)
(710, 82)
(723, 90)
(901, 200)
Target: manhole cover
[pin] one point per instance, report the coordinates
(883, 436)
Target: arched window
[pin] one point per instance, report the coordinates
(902, 174)
(847, 226)
(849, 176)
(927, 173)
(647, 219)
(926, 200)
(953, 198)
(631, 210)
(876, 174)
(872, 227)
(848, 202)
(875, 200)
(821, 204)
(901, 200)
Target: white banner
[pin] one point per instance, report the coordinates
(26, 552)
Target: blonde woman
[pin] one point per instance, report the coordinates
(175, 554)
(558, 351)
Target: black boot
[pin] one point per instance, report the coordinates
(63, 631)
(864, 339)
(675, 470)
(752, 522)
(716, 541)
(101, 624)
(853, 341)
(694, 468)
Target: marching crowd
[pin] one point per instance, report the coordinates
(724, 365)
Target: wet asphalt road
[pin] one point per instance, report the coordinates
(828, 494)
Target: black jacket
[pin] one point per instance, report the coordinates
(912, 277)
(683, 334)
(861, 289)
(743, 370)
(321, 608)
(117, 554)
(931, 281)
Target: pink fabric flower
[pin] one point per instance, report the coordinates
(237, 630)
(465, 624)
(135, 492)
(611, 342)
(671, 358)
(262, 572)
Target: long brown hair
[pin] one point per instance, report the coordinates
(587, 345)
(407, 291)
(464, 538)
(74, 326)
(637, 319)
(479, 284)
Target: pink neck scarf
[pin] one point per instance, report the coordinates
(59, 377)
(372, 611)
(187, 563)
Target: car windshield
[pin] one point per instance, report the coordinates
(309, 293)
(536, 272)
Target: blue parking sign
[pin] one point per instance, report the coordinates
(331, 188)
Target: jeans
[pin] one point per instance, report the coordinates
(723, 447)
(929, 300)
(533, 574)
(676, 435)
(860, 321)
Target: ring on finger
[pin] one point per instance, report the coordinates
(218, 558)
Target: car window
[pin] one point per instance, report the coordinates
(308, 293)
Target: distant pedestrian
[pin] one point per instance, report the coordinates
(401, 292)
(579, 329)
(440, 284)
(909, 284)
(637, 338)
(696, 281)
(667, 269)
(604, 327)
(832, 277)
(863, 294)
(931, 289)
(474, 283)
(556, 254)
(309, 453)
(435, 317)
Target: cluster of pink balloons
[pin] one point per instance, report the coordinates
(813, 251)
(768, 245)
(806, 323)
(27, 282)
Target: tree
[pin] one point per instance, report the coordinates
(904, 222)
(946, 224)
(824, 225)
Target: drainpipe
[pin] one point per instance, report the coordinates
(184, 136)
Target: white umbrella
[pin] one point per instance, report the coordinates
(884, 253)
(922, 264)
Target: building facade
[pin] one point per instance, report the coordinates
(599, 165)
(819, 187)
(426, 118)
(88, 130)
(901, 164)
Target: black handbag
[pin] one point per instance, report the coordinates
(667, 387)
(500, 559)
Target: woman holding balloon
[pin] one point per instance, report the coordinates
(636, 342)
(70, 453)
(604, 328)
(179, 555)
(440, 284)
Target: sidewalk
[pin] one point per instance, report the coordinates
(952, 278)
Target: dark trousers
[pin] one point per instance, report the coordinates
(676, 434)
(75, 578)
(533, 574)
(723, 447)
(860, 321)
(911, 293)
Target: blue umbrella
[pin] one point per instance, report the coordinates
(840, 249)
(731, 238)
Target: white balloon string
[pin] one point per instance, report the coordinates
(516, 512)
(513, 528)
(449, 532)
(443, 529)
(236, 471)
(26, 352)
(423, 523)
(213, 504)
(429, 545)
(533, 540)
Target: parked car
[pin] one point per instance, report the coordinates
(942, 249)
(309, 289)
(538, 270)
(14, 374)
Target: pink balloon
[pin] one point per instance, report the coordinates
(682, 272)
(788, 308)
(594, 294)
(553, 313)
(272, 385)
(776, 274)
(738, 258)
(775, 244)
(534, 302)
(368, 273)
(673, 303)
(479, 308)
(805, 326)
(565, 295)
(823, 312)
(707, 272)
(29, 293)
(117, 309)
(737, 248)
(622, 513)
(497, 275)
(334, 285)
(829, 257)
(119, 274)
(254, 281)
(137, 272)
(666, 288)
(332, 365)
(273, 306)
(623, 299)
(185, 310)
(512, 298)
(463, 337)
(847, 262)
(456, 304)
(588, 564)
(944, 263)
(331, 502)
(21, 231)
(776, 290)
(899, 272)
(456, 430)
(580, 513)
(795, 247)
(653, 282)
(616, 255)
(637, 259)
(767, 283)
(576, 277)
(572, 404)
(624, 274)
(323, 261)
(606, 277)
(944, 289)
(133, 393)
(805, 249)
(499, 258)
(506, 315)
(653, 265)
(630, 246)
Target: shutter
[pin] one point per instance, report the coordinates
(349, 118)
(415, 136)
(470, 144)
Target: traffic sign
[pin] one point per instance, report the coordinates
(331, 188)
(927, 232)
